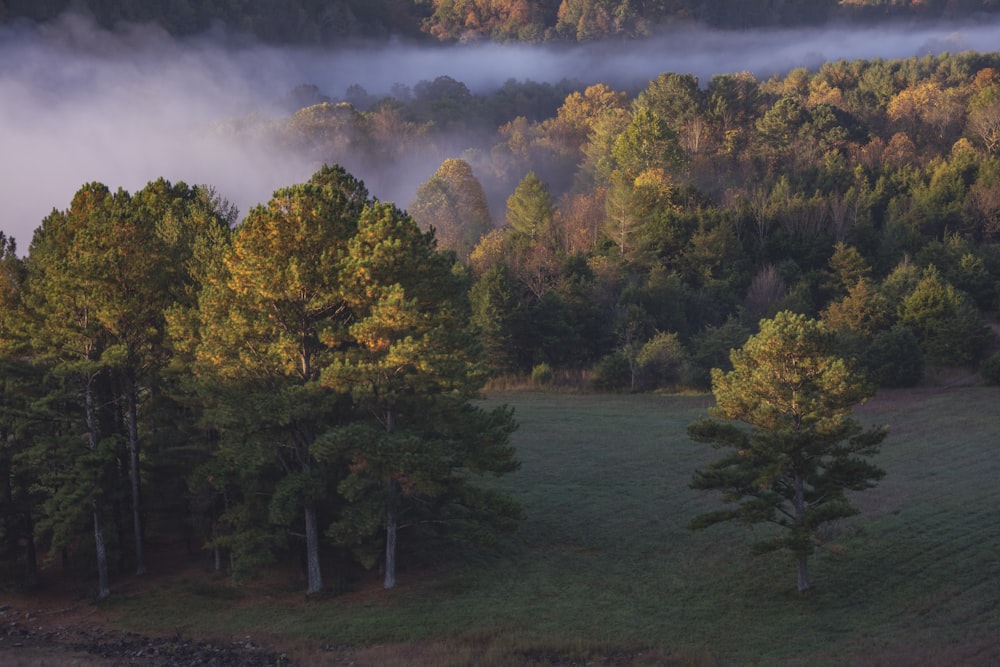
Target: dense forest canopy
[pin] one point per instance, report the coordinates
(606, 218)
(321, 21)
(131, 104)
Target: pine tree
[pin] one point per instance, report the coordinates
(21, 494)
(269, 322)
(63, 302)
(412, 369)
(803, 450)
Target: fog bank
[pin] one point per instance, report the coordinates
(80, 104)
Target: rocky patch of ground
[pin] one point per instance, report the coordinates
(26, 639)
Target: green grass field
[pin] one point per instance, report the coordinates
(604, 569)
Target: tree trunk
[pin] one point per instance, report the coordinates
(803, 574)
(133, 444)
(392, 514)
(31, 576)
(391, 528)
(800, 517)
(121, 472)
(103, 588)
(313, 573)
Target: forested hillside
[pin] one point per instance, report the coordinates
(320, 21)
(297, 384)
(655, 227)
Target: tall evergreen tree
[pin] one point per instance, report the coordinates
(64, 302)
(530, 209)
(496, 312)
(270, 322)
(803, 450)
(21, 495)
(412, 369)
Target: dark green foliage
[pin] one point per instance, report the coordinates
(23, 479)
(949, 328)
(894, 358)
(647, 142)
(332, 362)
(434, 460)
(781, 123)
(684, 210)
(495, 313)
(963, 264)
(534, 101)
(93, 314)
(530, 209)
(556, 333)
(802, 452)
(613, 373)
(300, 21)
(411, 368)
(712, 348)
(675, 98)
(446, 102)
(990, 369)
(661, 362)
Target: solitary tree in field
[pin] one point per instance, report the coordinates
(803, 449)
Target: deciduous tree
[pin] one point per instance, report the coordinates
(646, 143)
(453, 203)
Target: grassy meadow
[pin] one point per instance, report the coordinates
(604, 570)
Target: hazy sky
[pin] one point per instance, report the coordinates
(79, 104)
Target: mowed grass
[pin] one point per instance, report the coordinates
(604, 567)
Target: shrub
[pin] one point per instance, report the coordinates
(990, 369)
(613, 373)
(894, 358)
(541, 374)
(660, 361)
(712, 348)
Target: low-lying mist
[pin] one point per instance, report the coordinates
(81, 104)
